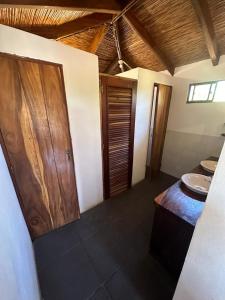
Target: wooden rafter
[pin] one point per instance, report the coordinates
(103, 6)
(202, 10)
(70, 28)
(125, 9)
(140, 30)
(114, 63)
(99, 36)
(112, 66)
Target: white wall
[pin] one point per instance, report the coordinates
(18, 278)
(82, 91)
(203, 274)
(146, 80)
(194, 130)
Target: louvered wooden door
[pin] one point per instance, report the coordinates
(36, 141)
(118, 116)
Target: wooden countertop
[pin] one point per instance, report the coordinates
(181, 201)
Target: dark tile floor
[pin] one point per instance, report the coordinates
(105, 254)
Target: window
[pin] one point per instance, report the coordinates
(207, 92)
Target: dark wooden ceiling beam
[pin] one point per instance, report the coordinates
(140, 30)
(126, 7)
(99, 36)
(70, 28)
(103, 6)
(202, 10)
(114, 63)
(112, 66)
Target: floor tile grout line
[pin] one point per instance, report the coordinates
(103, 282)
(99, 277)
(59, 255)
(91, 262)
(106, 281)
(100, 286)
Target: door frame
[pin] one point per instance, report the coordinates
(115, 81)
(155, 92)
(25, 58)
(151, 141)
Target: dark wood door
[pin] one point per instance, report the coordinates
(36, 141)
(118, 116)
(161, 112)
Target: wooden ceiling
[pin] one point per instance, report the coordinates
(152, 34)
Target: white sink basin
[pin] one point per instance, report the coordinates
(209, 165)
(197, 183)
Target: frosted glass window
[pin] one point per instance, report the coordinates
(212, 91)
(191, 92)
(220, 92)
(201, 92)
(207, 92)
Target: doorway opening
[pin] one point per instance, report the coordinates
(158, 123)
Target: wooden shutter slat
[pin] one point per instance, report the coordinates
(118, 118)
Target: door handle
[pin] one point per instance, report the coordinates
(68, 154)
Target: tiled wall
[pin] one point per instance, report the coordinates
(183, 151)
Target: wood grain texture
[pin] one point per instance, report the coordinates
(113, 67)
(107, 51)
(56, 109)
(106, 6)
(217, 13)
(140, 30)
(170, 240)
(28, 17)
(175, 27)
(81, 40)
(114, 64)
(118, 114)
(17, 136)
(203, 14)
(98, 38)
(175, 197)
(173, 24)
(163, 99)
(176, 214)
(70, 28)
(31, 81)
(31, 143)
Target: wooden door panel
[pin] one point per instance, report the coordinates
(30, 78)
(18, 141)
(36, 141)
(118, 103)
(57, 110)
(160, 125)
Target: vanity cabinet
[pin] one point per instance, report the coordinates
(176, 213)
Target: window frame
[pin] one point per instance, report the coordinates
(202, 83)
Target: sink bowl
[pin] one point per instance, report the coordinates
(197, 182)
(209, 165)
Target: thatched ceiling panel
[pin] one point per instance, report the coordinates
(174, 26)
(32, 17)
(217, 10)
(136, 51)
(80, 41)
(107, 50)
